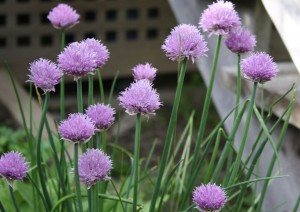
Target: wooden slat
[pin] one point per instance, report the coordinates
(285, 15)
(8, 99)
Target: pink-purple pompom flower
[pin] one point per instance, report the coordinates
(63, 16)
(259, 67)
(13, 167)
(102, 115)
(44, 74)
(78, 60)
(185, 41)
(144, 72)
(77, 128)
(219, 18)
(240, 40)
(102, 54)
(94, 166)
(140, 97)
(209, 198)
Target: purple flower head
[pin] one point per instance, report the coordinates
(144, 72)
(219, 18)
(185, 41)
(63, 16)
(102, 54)
(78, 59)
(259, 67)
(13, 167)
(78, 128)
(140, 97)
(44, 74)
(102, 115)
(240, 40)
(94, 166)
(209, 197)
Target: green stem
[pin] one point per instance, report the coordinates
(229, 143)
(79, 96)
(237, 102)
(102, 97)
(169, 135)
(91, 90)
(62, 83)
(120, 199)
(38, 154)
(14, 199)
(18, 99)
(1, 207)
(62, 184)
(244, 137)
(238, 86)
(77, 182)
(206, 106)
(90, 102)
(137, 143)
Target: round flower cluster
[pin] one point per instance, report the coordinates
(209, 197)
(102, 115)
(259, 67)
(81, 58)
(219, 18)
(78, 128)
(240, 40)
(140, 97)
(144, 72)
(63, 16)
(94, 166)
(185, 41)
(13, 167)
(44, 74)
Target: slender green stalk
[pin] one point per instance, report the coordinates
(238, 85)
(38, 153)
(102, 97)
(77, 182)
(76, 147)
(13, 198)
(213, 157)
(62, 184)
(262, 101)
(90, 102)
(238, 97)
(1, 207)
(91, 90)
(31, 145)
(137, 143)
(244, 137)
(169, 135)
(195, 175)
(18, 99)
(273, 160)
(229, 143)
(79, 96)
(205, 110)
(120, 199)
(295, 209)
(94, 198)
(62, 83)
(112, 88)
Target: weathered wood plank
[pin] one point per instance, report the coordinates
(9, 99)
